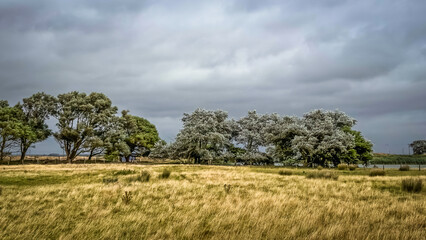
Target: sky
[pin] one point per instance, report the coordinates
(160, 59)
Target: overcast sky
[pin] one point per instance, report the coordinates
(160, 59)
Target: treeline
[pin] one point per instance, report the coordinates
(89, 124)
(86, 124)
(319, 137)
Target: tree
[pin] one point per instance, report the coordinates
(79, 117)
(362, 150)
(160, 150)
(204, 137)
(35, 110)
(250, 132)
(323, 139)
(140, 135)
(279, 134)
(419, 147)
(10, 126)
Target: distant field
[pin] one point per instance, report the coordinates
(382, 158)
(205, 202)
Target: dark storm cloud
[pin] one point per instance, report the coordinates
(162, 58)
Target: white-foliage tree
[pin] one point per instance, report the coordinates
(250, 131)
(323, 139)
(204, 137)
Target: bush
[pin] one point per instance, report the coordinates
(412, 185)
(165, 174)
(404, 168)
(323, 174)
(1, 190)
(319, 168)
(352, 167)
(342, 166)
(109, 180)
(377, 172)
(285, 172)
(127, 196)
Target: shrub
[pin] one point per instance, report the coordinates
(319, 168)
(342, 166)
(285, 172)
(323, 174)
(109, 180)
(412, 185)
(352, 167)
(404, 168)
(165, 174)
(1, 190)
(145, 176)
(377, 172)
(127, 196)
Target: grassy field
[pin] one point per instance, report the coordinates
(205, 202)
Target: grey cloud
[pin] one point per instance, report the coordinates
(162, 58)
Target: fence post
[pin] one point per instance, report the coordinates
(383, 167)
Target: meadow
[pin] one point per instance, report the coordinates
(125, 201)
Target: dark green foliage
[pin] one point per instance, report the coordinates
(10, 128)
(419, 147)
(342, 166)
(412, 185)
(363, 148)
(404, 168)
(80, 116)
(165, 174)
(109, 180)
(285, 172)
(377, 172)
(322, 174)
(380, 158)
(34, 110)
(126, 197)
(140, 135)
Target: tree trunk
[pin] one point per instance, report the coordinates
(23, 154)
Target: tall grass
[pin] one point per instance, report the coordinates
(412, 185)
(72, 202)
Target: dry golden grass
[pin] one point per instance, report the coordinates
(73, 202)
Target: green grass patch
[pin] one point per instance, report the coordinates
(398, 159)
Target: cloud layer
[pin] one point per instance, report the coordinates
(162, 58)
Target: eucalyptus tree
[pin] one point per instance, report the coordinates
(79, 117)
(10, 127)
(35, 110)
(140, 135)
(205, 135)
(114, 140)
